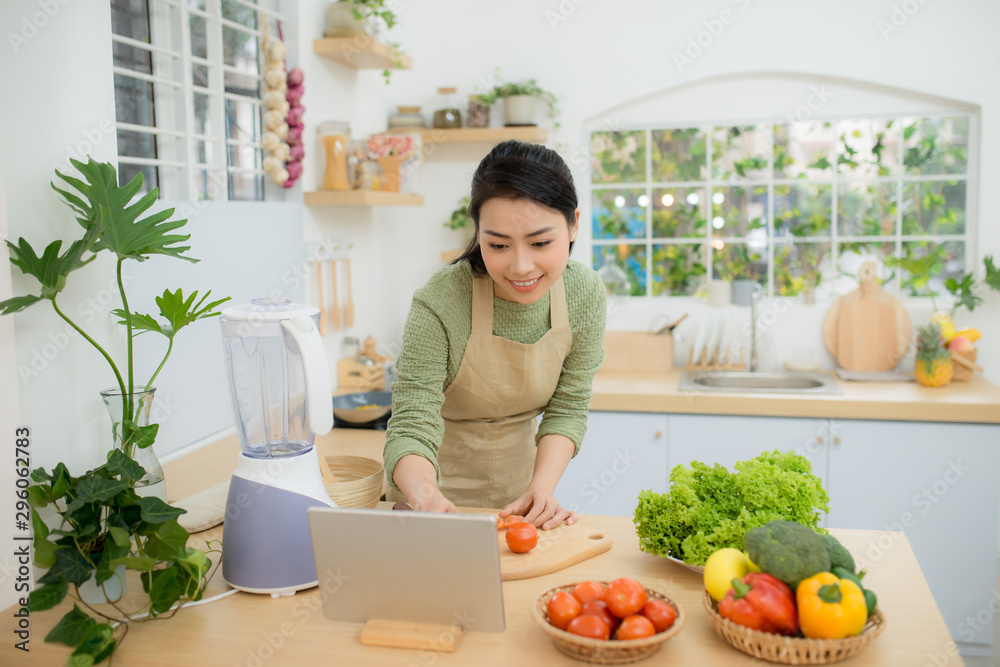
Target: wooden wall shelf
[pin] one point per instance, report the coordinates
(361, 198)
(467, 135)
(361, 52)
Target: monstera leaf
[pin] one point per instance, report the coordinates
(176, 310)
(123, 233)
(51, 268)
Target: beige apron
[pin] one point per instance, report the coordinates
(487, 455)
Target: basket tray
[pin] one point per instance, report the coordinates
(604, 651)
(792, 650)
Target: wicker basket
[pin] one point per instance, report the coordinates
(604, 651)
(792, 650)
(360, 482)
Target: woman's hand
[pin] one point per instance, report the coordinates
(541, 509)
(433, 501)
(416, 478)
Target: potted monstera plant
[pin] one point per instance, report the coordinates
(113, 517)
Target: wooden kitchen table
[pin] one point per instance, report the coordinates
(255, 630)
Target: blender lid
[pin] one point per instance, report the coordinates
(268, 310)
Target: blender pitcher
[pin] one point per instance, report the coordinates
(279, 383)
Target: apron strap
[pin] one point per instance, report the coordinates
(482, 305)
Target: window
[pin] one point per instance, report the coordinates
(794, 206)
(187, 79)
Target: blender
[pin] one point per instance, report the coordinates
(279, 382)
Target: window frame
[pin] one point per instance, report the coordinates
(835, 180)
(180, 172)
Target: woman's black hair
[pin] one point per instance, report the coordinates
(517, 170)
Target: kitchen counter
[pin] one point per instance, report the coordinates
(977, 401)
(247, 629)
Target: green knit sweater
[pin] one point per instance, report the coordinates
(434, 339)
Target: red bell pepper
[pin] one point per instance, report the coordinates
(761, 602)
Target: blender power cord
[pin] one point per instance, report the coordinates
(186, 604)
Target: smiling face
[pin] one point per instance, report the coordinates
(525, 247)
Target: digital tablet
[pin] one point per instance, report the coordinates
(408, 566)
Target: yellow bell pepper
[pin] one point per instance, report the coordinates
(830, 608)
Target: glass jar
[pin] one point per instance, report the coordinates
(478, 114)
(333, 142)
(446, 112)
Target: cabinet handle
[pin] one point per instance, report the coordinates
(657, 435)
(819, 439)
(836, 440)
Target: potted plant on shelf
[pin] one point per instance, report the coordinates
(519, 101)
(114, 515)
(369, 18)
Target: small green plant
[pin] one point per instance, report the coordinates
(460, 218)
(510, 89)
(966, 291)
(374, 11)
(104, 525)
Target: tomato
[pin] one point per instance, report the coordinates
(522, 537)
(660, 613)
(562, 609)
(625, 597)
(635, 627)
(509, 521)
(587, 591)
(600, 608)
(591, 626)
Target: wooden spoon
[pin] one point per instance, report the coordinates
(324, 468)
(322, 311)
(349, 306)
(335, 310)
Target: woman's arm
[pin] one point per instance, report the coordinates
(417, 479)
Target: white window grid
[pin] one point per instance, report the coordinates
(179, 170)
(835, 181)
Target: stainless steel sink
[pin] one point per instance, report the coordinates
(747, 382)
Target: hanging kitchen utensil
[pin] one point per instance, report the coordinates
(349, 306)
(335, 309)
(868, 329)
(322, 311)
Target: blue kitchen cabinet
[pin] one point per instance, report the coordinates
(621, 454)
(940, 484)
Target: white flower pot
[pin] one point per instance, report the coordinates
(340, 21)
(519, 110)
(111, 590)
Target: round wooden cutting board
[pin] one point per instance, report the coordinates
(868, 329)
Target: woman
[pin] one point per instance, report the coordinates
(508, 331)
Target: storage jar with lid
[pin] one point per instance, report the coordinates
(446, 109)
(333, 138)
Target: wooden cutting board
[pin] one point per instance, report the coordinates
(557, 549)
(868, 329)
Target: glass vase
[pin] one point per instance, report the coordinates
(139, 406)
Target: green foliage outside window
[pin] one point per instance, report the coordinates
(791, 205)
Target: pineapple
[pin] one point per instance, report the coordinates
(933, 367)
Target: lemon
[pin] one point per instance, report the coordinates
(947, 326)
(721, 568)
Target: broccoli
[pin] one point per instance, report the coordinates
(787, 551)
(839, 555)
